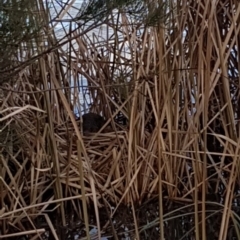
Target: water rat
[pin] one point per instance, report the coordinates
(92, 122)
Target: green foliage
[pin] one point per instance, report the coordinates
(18, 25)
(148, 13)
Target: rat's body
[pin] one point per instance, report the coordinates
(92, 122)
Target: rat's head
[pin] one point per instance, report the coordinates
(92, 122)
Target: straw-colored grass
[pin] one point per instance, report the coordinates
(171, 96)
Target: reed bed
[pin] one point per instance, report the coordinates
(170, 93)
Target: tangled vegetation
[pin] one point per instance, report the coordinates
(169, 167)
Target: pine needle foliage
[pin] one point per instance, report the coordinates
(19, 24)
(149, 13)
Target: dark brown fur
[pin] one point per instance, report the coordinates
(92, 122)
